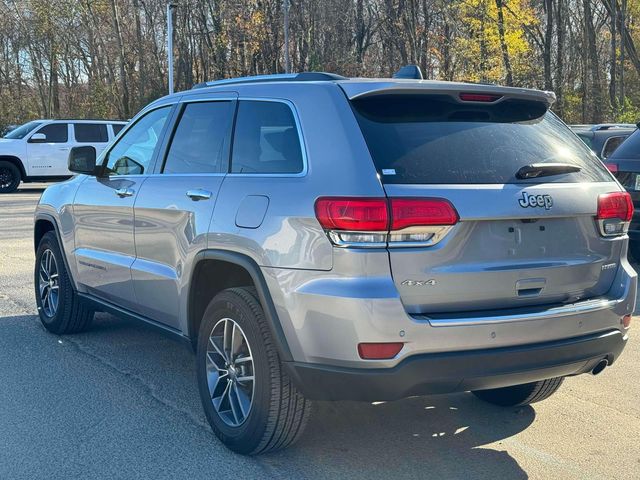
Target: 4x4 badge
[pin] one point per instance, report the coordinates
(535, 201)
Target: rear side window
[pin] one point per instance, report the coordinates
(629, 149)
(611, 144)
(432, 139)
(91, 132)
(201, 140)
(117, 127)
(55, 133)
(266, 139)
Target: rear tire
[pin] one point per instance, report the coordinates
(520, 394)
(61, 310)
(10, 177)
(264, 414)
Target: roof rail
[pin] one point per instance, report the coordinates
(279, 77)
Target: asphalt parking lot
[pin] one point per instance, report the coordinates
(120, 401)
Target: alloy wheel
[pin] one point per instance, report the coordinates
(48, 285)
(6, 177)
(230, 372)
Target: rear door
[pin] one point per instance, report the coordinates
(173, 209)
(94, 134)
(517, 241)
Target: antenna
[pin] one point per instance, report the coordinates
(409, 71)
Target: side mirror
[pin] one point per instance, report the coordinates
(83, 160)
(38, 138)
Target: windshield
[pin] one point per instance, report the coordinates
(23, 130)
(428, 139)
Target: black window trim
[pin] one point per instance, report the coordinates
(104, 156)
(175, 121)
(296, 119)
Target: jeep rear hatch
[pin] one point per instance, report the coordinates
(524, 192)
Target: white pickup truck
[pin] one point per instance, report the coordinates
(38, 151)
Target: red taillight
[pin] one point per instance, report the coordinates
(613, 167)
(615, 205)
(479, 97)
(409, 212)
(379, 351)
(379, 222)
(354, 214)
(626, 321)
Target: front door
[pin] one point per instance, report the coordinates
(103, 210)
(47, 157)
(173, 210)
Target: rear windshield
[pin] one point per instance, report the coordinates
(629, 149)
(431, 139)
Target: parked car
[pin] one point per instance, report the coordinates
(322, 238)
(625, 163)
(38, 151)
(604, 138)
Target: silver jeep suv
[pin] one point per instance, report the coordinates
(322, 238)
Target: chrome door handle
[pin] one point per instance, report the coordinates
(124, 192)
(199, 194)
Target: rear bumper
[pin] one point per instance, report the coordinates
(447, 372)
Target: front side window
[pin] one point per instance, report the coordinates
(55, 133)
(132, 153)
(91, 132)
(201, 140)
(266, 139)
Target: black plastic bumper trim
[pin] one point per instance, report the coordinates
(449, 372)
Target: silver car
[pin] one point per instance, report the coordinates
(322, 238)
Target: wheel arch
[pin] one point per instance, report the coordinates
(239, 269)
(46, 223)
(17, 162)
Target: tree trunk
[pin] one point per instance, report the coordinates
(121, 60)
(503, 44)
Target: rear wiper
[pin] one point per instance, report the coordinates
(536, 170)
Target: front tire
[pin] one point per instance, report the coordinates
(519, 395)
(10, 177)
(248, 399)
(59, 306)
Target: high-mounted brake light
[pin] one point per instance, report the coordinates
(378, 222)
(479, 97)
(612, 167)
(615, 211)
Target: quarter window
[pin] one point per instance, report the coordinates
(132, 153)
(266, 139)
(117, 127)
(91, 132)
(55, 133)
(201, 140)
